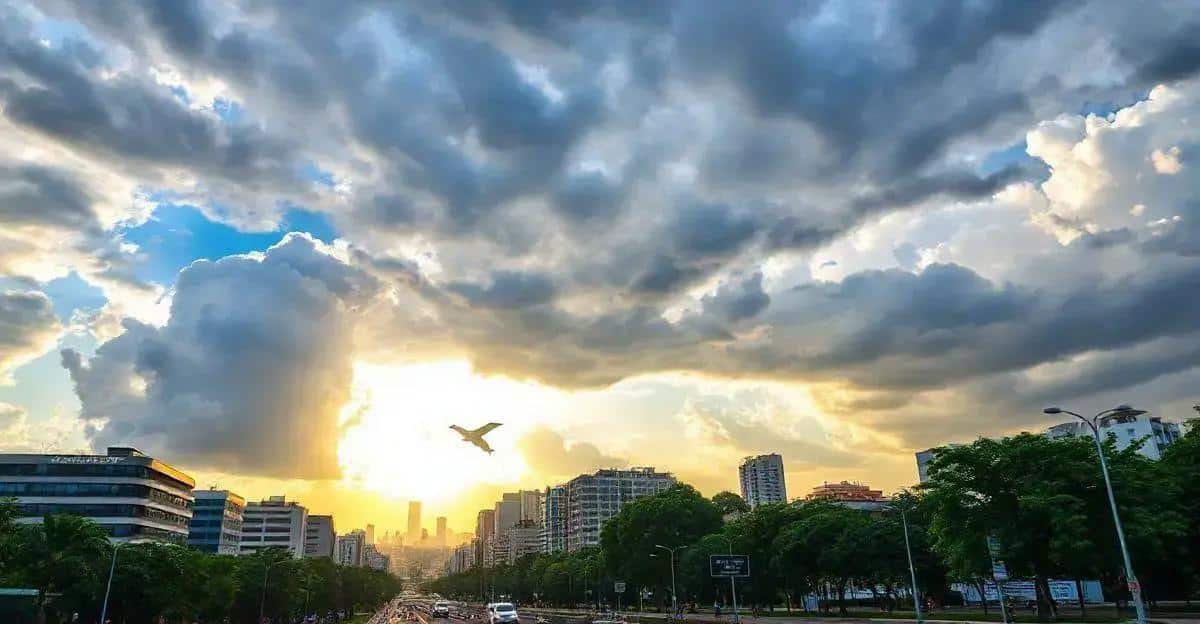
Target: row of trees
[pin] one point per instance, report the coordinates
(1043, 499)
(68, 557)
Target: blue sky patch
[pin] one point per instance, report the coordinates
(178, 235)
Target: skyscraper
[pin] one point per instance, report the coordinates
(414, 522)
(370, 533)
(533, 505)
(508, 512)
(441, 531)
(554, 522)
(762, 480)
(485, 527)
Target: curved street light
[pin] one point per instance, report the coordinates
(732, 586)
(112, 567)
(262, 604)
(674, 602)
(1093, 423)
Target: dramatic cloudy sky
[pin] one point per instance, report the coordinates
(284, 246)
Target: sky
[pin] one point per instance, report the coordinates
(283, 246)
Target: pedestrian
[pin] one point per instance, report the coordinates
(716, 608)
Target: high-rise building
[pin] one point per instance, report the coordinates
(485, 529)
(508, 512)
(370, 532)
(533, 505)
(373, 558)
(351, 548)
(523, 538)
(1125, 431)
(593, 499)
(130, 495)
(554, 521)
(275, 523)
(463, 558)
(414, 522)
(320, 537)
(762, 480)
(216, 525)
(441, 531)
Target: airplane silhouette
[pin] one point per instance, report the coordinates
(476, 436)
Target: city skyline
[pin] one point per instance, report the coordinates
(288, 249)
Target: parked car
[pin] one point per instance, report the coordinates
(440, 609)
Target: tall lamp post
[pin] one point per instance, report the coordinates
(912, 571)
(674, 601)
(112, 567)
(732, 585)
(262, 604)
(1094, 424)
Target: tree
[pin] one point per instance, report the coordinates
(677, 516)
(727, 502)
(1180, 467)
(1045, 501)
(66, 555)
(754, 534)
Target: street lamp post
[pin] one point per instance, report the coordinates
(912, 571)
(674, 601)
(732, 585)
(262, 603)
(1121, 410)
(112, 567)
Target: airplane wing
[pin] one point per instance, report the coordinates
(486, 428)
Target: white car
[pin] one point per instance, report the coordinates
(502, 613)
(441, 609)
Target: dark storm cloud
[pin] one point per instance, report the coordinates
(1177, 59)
(588, 196)
(736, 301)
(35, 195)
(27, 326)
(247, 375)
(60, 96)
(508, 289)
(947, 324)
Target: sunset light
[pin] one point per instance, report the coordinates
(397, 438)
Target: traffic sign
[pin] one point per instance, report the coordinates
(619, 587)
(999, 571)
(729, 565)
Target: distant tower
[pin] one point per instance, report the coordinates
(762, 480)
(370, 534)
(441, 531)
(414, 522)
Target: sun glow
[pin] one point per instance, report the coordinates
(398, 441)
